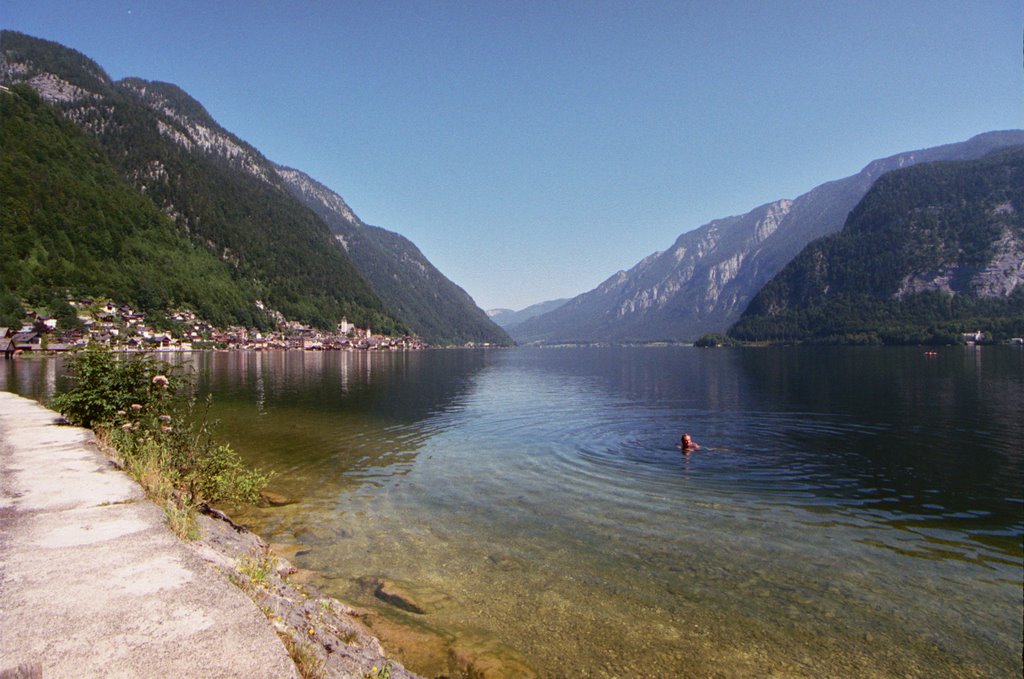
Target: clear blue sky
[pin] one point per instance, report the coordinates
(532, 149)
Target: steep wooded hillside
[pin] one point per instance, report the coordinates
(221, 193)
(70, 224)
(930, 252)
(434, 307)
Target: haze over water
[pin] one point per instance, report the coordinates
(852, 510)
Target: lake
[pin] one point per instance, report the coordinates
(852, 511)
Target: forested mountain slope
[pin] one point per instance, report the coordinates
(931, 251)
(220, 192)
(69, 223)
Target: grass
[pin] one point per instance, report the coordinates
(307, 661)
(255, 570)
(182, 521)
(112, 503)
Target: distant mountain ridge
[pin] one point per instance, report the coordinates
(932, 250)
(228, 198)
(706, 279)
(433, 306)
(508, 318)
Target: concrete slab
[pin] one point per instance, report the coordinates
(92, 581)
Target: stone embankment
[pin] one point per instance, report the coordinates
(94, 583)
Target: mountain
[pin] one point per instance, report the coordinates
(220, 191)
(70, 222)
(930, 252)
(508, 318)
(706, 279)
(435, 308)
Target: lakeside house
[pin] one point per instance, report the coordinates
(6, 345)
(27, 340)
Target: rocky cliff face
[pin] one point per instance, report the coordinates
(184, 121)
(313, 193)
(999, 277)
(1004, 273)
(706, 279)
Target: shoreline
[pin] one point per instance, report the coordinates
(246, 350)
(94, 580)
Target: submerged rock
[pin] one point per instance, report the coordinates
(289, 550)
(487, 664)
(274, 499)
(397, 596)
(419, 645)
(505, 562)
(304, 576)
(431, 649)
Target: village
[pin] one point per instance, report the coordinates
(122, 328)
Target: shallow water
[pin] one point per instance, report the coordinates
(852, 511)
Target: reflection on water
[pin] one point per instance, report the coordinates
(852, 511)
(325, 421)
(951, 422)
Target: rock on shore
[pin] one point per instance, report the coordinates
(325, 637)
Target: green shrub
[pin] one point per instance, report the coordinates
(105, 384)
(714, 340)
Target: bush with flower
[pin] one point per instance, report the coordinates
(144, 409)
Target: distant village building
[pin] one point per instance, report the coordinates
(973, 337)
(122, 328)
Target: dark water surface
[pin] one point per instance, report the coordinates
(853, 511)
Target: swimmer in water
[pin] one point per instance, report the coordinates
(687, 444)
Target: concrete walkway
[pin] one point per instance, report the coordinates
(93, 583)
